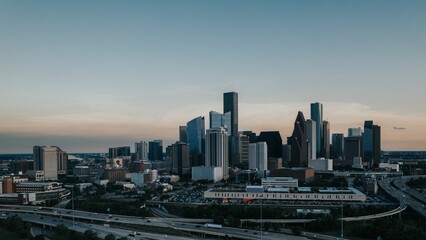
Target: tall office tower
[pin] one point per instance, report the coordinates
(258, 156)
(353, 148)
(141, 150)
(221, 120)
(155, 150)
(230, 104)
(338, 142)
(317, 116)
(286, 155)
(371, 144)
(298, 143)
(49, 160)
(244, 150)
(180, 159)
(62, 162)
(217, 150)
(183, 134)
(311, 137)
(354, 132)
(251, 135)
(119, 152)
(325, 144)
(274, 141)
(196, 135)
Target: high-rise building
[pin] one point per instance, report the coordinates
(317, 116)
(180, 159)
(258, 156)
(298, 143)
(274, 141)
(119, 152)
(244, 150)
(141, 150)
(251, 135)
(183, 134)
(220, 120)
(311, 137)
(217, 150)
(353, 148)
(338, 143)
(155, 150)
(354, 132)
(325, 143)
(286, 155)
(50, 160)
(230, 104)
(196, 135)
(371, 144)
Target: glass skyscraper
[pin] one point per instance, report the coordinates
(317, 116)
(220, 120)
(196, 134)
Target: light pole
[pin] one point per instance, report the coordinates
(261, 223)
(72, 202)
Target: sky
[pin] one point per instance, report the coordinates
(89, 75)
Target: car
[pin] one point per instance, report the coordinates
(148, 220)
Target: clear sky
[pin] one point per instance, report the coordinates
(88, 75)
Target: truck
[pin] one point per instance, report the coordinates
(211, 225)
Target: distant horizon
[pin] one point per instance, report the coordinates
(88, 75)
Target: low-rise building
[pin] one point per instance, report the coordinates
(214, 174)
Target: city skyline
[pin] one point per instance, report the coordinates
(87, 76)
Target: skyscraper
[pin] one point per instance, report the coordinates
(183, 134)
(317, 116)
(119, 152)
(230, 104)
(325, 143)
(311, 137)
(353, 148)
(217, 150)
(274, 141)
(371, 144)
(50, 160)
(338, 145)
(298, 143)
(221, 120)
(196, 135)
(258, 156)
(354, 132)
(141, 150)
(180, 159)
(155, 150)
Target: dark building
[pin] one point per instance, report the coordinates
(251, 135)
(286, 155)
(371, 144)
(298, 143)
(317, 116)
(21, 166)
(119, 152)
(325, 140)
(230, 104)
(305, 175)
(155, 150)
(353, 148)
(183, 134)
(244, 151)
(338, 142)
(273, 141)
(180, 159)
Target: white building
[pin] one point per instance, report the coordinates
(321, 164)
(390, 166)
(279, 182)
(357, 163)
(217, 150)
(141, 150)
(311, 137)
(50, 160)
(214, 174)
(258, 156)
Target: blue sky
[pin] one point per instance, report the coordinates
(86, 75)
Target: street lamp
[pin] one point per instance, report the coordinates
(72, 201)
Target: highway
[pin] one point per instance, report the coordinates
(397, 189)
(94, 221)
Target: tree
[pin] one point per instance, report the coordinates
(109, 237)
